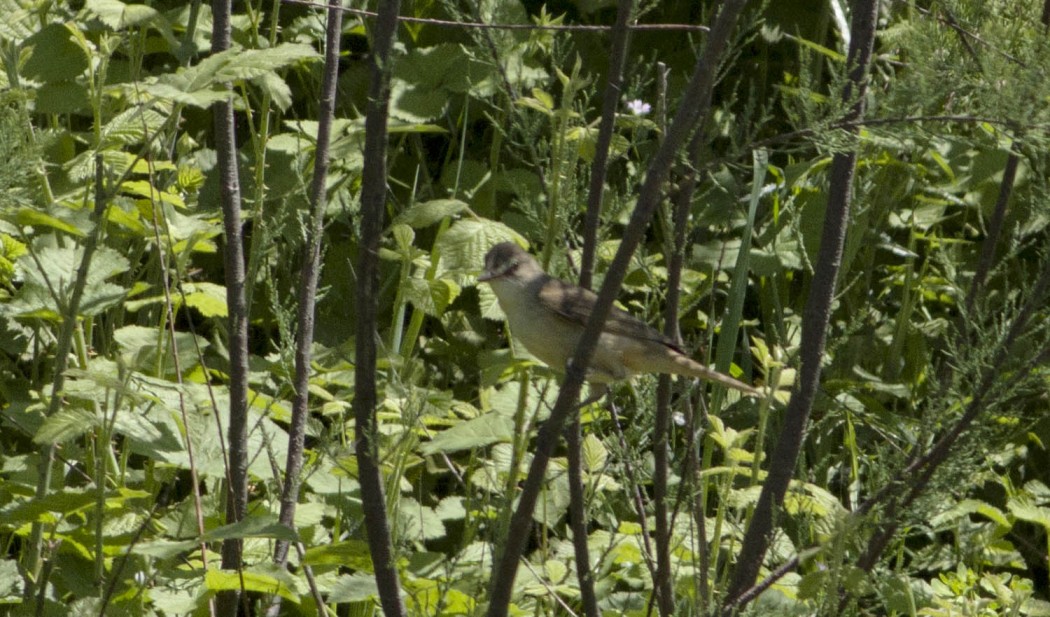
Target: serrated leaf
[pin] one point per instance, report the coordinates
(269, 581)
(475, 433)
(36, 218)
(463, 246)
(208, 298)
(277, 88)
(594, 454)
(427, 213)
(348, 553)
(118, 15)
(67, 501)
(131, 126)
(55, 55)
(1025, 508)
(432, 297)
(254, 63)
(65, 424)
(256, 526)
(419, 522)
(352, 588)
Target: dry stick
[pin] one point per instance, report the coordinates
(233, 263)
(695, 103)
(39, 574)
(599, 170)
(600, 166)
(311, 268)
(814, 320)
(311, 259)
(664, 520)
(995, 228)
(578, 517)
(373, 202)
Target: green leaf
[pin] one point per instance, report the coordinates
(131, 126)
(463, 246)
(118, 15)
(54, 54)
(247, 64)
(254, 526)
(432, 297)
(594, 454)
(208, 298)
(419, 522)
(61, 97)
(65, 424)
(267, 580)
(11, 591)
(65, 502)
(353, 588)
(348, 553)
(474, 433)
(36, 218)
(427, 213)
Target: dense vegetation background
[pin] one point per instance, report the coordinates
(149, 401)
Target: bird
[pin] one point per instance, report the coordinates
(549, 315)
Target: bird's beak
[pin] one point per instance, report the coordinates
(486, 276)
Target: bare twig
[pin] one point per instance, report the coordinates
(373, 202)
(814, 320)
(233, 262)
(695, 105)
(446, 23)
(311, 269)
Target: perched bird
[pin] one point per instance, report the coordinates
(549, 315)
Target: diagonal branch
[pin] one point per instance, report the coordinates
(695, 104)
(815, 318)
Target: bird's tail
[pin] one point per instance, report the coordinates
(686, 366)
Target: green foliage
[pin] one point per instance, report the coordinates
(485, 149)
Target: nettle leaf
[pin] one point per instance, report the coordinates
(462, 248)
(347, 588)
(205, 83)
(432, 297)
(52, 272)
(348, 553)
(276, 88)
(131, 126)
(61, 97)
(140, 345)
(208, 298)
(419, 522)
(427, 213)
(119, 16)
(55, 55)
(65, 424)
(261, 578)
(82, 166)
(475, 433)
(36, 218)
(254, 63)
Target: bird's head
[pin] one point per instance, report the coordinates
(508, 261)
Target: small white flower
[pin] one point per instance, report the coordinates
(678, 418)
(639, 107)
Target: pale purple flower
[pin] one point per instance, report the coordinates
(639, 107)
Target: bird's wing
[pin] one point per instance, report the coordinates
(575, 304)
